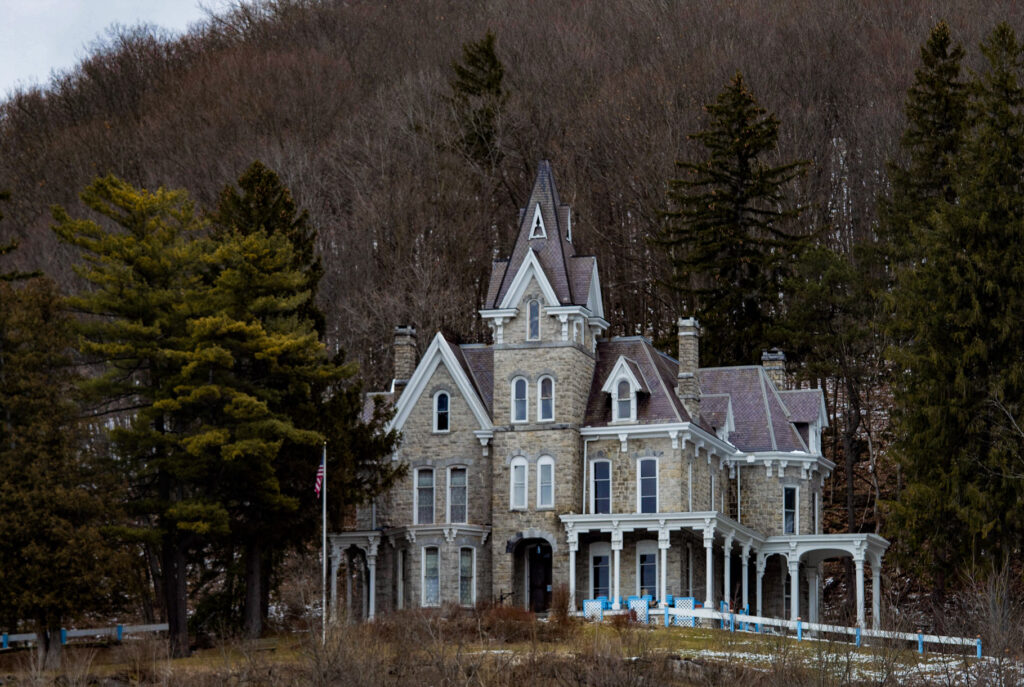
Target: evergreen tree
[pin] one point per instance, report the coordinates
(144, 286)
(727, 228)
(6, 248)
(957, 312)
(56, 564)
(477, 99)
(936, 111)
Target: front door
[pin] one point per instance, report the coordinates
(538, 556)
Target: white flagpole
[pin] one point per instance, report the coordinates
(323, 576)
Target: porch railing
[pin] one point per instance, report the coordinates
(117, 632)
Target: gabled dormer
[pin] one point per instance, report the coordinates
(544, 291)
(625, 384)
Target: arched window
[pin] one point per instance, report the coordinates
(518, 482)
(647, 485)
(624, 402)
(519, 399)
(431, 576)
(546, 482)
(546, 399)
(424, 496)
(457, 494)
(533, 320)
(442, 403)
(647, 567)
(601, 486)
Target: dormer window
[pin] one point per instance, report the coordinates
(624, 384)
(533, 320)
(537, 230)
(519, 399)
(441, 411)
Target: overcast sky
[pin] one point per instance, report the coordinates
(38, 36)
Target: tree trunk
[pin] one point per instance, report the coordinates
(253, 616)
(175, 595)
(48, 646)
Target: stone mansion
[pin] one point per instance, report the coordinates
(557, 456)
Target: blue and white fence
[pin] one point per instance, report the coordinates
(685, 615)
(117, 632)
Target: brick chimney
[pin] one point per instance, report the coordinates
(774, 363)
(687, 384)
(405, 356)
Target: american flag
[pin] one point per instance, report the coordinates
(319, 479)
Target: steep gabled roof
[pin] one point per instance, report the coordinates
(552, 247)
(478, 361)
(805, 405)
(658, 405)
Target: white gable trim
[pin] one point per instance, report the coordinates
(537, 230)
(439, 352)
(530, 268)
(594, 302)
(621, 371)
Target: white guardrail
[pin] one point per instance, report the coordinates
(117, 632)
(753, 623)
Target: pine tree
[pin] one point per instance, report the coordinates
(56, 563)
(958, 312)
(478, 99)
(727, 227)
(144, 285)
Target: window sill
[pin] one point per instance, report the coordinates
(441, 431)
(545, 508)
(518, 509)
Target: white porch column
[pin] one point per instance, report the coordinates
(811, 575)
(616, 554)
(574, 546)
(709, 568)
(745, 571)
(727, 571)
(663, 544)
(876, 593)
(762, 561)
(858, 564)
(335, 555)
(371, 563)
(794, 587)
(348, 586)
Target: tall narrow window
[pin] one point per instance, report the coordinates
(533, 320)
(467, 575)
(646, 568)
(647, 485)
(814, 512)
(457, 495)
(789, 524)
(441, 403)
(424, 496)
(602, 486)
(600, 559)
(623, 401)
(518, 486)
(431, 576)
(519, 398)
(546, 399)
(546, 482)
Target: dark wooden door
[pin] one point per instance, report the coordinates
(539, 556)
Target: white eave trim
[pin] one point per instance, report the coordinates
(503, 313)
(677, 430)
(530, 267)
(437, 353)
(619, 371)
(594, 301)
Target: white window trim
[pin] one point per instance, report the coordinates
(416, 496)
(657, 484)
(516, 462)
(436, 396)
(473, 600)
(529, 304)
(448, 495)
(796, 511)
(593, 491)
(546, 460)
(540, 414)
(423, 576)
(537, 230)
(645, 546)
(616, 417)
(526, 415)
(600, 549)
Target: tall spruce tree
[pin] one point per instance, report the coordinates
(729, 227)
(142, 269)
(957, 312)
(56, 563)
(477, 99)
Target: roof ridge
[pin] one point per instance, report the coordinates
(767, 412)
(668, 392)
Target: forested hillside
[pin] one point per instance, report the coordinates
(412, 148)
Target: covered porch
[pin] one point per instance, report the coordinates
(723, 540)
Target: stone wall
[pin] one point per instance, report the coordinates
(762, 498)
